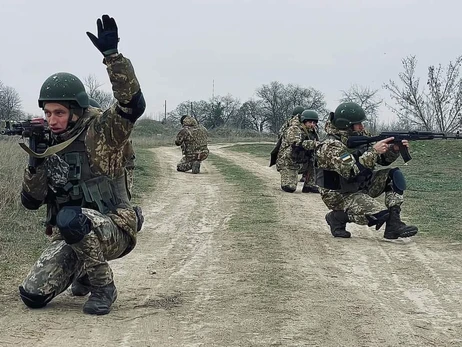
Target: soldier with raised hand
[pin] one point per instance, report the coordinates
(193, 141)
(349, 182)
(298, 141)
(82, 181)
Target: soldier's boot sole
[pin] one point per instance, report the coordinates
(404, 231)
(196, 167)
(288, 189)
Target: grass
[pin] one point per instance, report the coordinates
(255, 227)
(261, 150)
(434, 185)
(21, 232)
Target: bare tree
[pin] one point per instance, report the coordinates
(94, 91)
(278, 101)
(251, 116)
(439, 108)
(10, 103)
(368, 99)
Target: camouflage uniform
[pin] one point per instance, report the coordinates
(356, 197)
(129, 164)
(112, 233)
(296, 152)
(193, 141)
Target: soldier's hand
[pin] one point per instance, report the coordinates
(384, 145)
(108, 36)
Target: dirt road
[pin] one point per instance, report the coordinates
(188, 283)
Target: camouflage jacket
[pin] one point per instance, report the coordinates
(351, 164)
(105, 136)
(192, 138)
(297, 143)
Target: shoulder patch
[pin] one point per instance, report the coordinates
(346, 157)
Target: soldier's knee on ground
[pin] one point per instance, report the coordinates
(289, 189)
(72, 224)
(34, 300)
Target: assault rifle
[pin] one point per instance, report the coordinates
(356, 141)
(36, 131)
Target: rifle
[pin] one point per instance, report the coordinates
(35, 130)
(356, 141)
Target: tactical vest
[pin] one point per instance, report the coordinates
(83, 188)
(301, 155)
(329, 179)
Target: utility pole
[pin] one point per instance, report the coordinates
(165, 111)
(213, 89)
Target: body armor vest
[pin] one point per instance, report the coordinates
(83, 188)
(329, 179)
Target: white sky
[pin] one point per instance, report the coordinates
(179, 47)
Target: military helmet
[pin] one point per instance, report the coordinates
(309, 115)
(297, 110)
(63, 86)
(94, 103)
(347, 114)
(182, 118)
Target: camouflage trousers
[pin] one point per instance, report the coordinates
(185, 163)
(307, 170)
(359, 204)
(289, 175)
(60, 263)
(129, 177)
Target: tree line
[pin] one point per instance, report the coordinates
(434, 105)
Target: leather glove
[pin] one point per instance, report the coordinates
(108, 36)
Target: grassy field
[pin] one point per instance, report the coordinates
(434, 185)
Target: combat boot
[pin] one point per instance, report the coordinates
(337, 221)
(310, 189)
(196, 167)
(101, 299)
(395, 228)
(80, 286)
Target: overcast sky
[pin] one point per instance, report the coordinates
(178, 48)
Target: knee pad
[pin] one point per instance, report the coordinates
(34, 300)
(288, 189)
(72, 224)
(378, 219)
(397, 180)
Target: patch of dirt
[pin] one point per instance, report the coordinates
(188, 282)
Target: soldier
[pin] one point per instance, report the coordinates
(297, 144)
(309, 119)
(193, 141)
(349, 183)
(82, 181)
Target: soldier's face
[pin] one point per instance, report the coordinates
(359, 127)
(310, 124)
(57, 117)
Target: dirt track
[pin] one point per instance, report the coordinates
(187, 283)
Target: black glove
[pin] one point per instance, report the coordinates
(108, 36)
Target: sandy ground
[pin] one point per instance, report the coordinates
(189, 282)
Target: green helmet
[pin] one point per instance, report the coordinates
(309, 115)
(347, 114)
(63, 86)
(94, 103)
(297, 110)
(182, 118)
